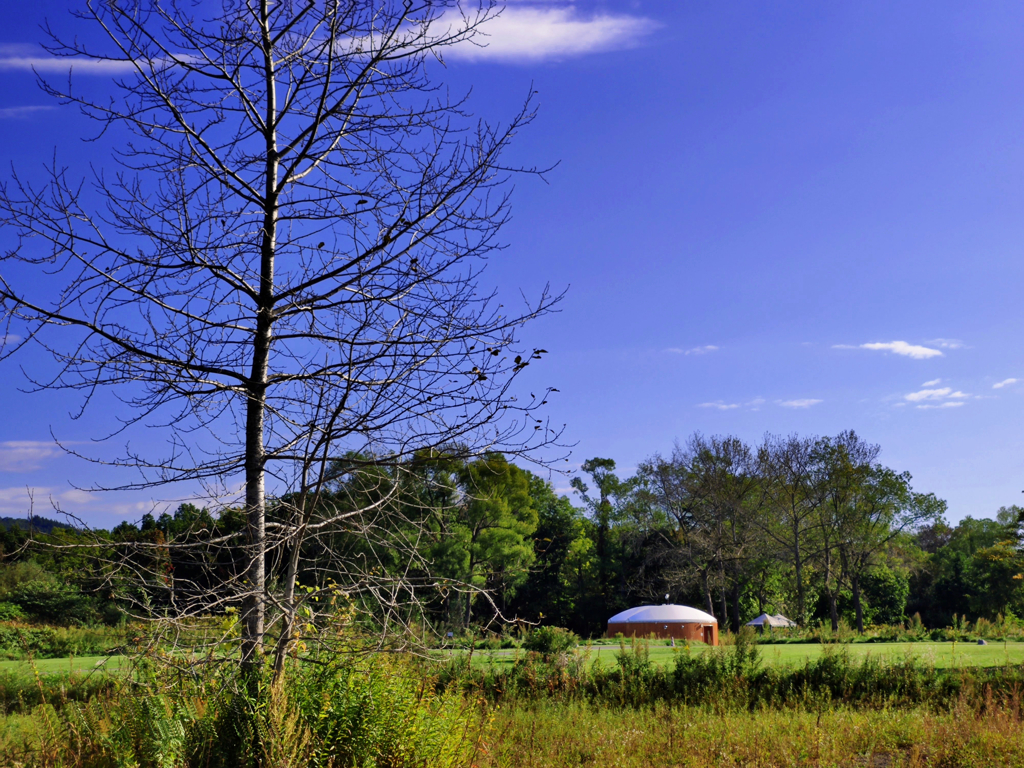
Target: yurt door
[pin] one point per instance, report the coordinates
(709, 635)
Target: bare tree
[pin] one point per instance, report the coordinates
(283, 269)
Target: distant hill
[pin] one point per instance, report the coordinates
(39, 524)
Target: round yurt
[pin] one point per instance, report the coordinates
(767, 620)
(676, 621)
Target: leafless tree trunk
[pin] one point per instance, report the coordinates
(282, 270)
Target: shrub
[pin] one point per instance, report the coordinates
(11, 612)
(14, 575)
(490, 643)
(19, 641)
(20, 692)
(54, 603)
(550, 641)
(368, 711)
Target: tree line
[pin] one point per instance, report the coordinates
(815, 528)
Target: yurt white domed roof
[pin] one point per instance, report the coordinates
(683, 614)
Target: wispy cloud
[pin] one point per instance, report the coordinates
(802, 403)
(61, 65)
(526, 32)
(947, 343)
(18, 500)
(521, 33)
(932, 383)
(531, 33)
(46, 501)
(1004, 383)
(915, 351)
(720, 405)
(26, 455)
(939, 397)
(9, 113)
(693, 350)
(942, 393)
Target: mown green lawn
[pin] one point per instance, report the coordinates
(52, 666)
(941, 655)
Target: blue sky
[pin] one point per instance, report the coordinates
(785, 217)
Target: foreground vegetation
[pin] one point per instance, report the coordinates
(368, 710)
(726, 706)
(967, 734)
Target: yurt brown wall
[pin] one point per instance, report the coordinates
(678, 630)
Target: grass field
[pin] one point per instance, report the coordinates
(579, 735)
(854, 715)
(54, 666)
(940, 655)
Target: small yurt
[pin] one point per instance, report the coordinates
(677, 621)
(767, 620)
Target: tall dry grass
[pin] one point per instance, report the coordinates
(974, 734)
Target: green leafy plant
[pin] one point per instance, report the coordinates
(550, 641)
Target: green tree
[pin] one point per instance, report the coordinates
(490, 533)
(789, 482)
(602, 511)
(884, 592)
(996, 572)
(562, 585)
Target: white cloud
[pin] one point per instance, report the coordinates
(932, 383)
(1004, 383)
(947, 343)
(904, 349)
(17, 112)
(693, 350)
(524, 33)
(26, 455)
(940, 397)
(702, 350)
(31, 58)
(14, 502)
(719, 405)
(943, 393)
(804, 403)
(17, 500)
(61, 65)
